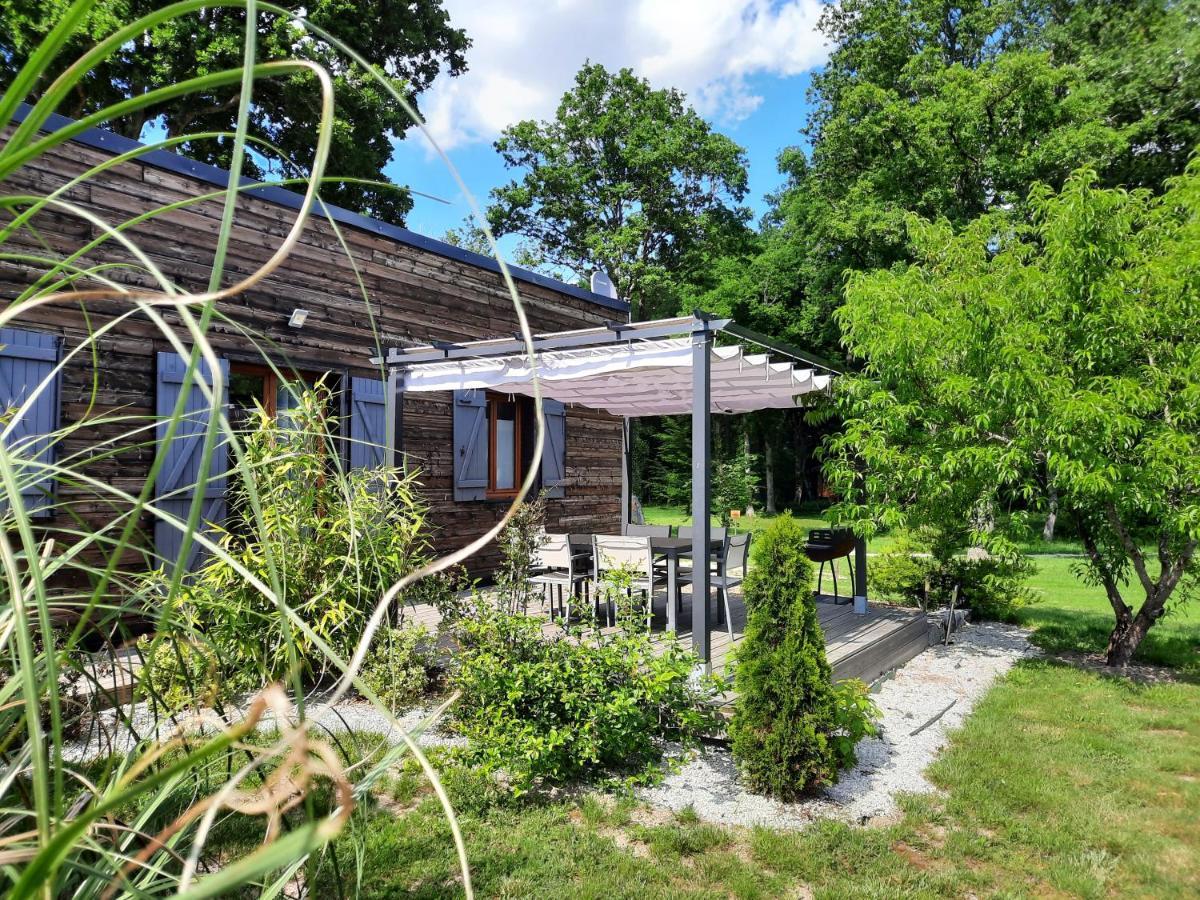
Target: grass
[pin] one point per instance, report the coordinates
(1061, 783)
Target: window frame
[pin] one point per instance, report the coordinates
(494, 400)
(270, 383)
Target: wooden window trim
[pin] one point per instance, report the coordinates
(493, 403)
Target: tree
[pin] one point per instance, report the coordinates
(792, 729)
(626, 179)
(1059, 347)
(411, 42)
(469, 236)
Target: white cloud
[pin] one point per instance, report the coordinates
(526, 53)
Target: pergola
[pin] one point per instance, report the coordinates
(630, 369)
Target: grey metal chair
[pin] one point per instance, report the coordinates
(559, 567)
(733, 560)
(716, 532)
(615, 551)
(656, 531)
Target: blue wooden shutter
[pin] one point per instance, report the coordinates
(554, 449)
(181, 463)
(470, 445)
(27, 358)
(368, 440)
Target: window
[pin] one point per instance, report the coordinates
(506, 470)
(494, 437)
(251, 386)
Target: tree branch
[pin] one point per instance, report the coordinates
(1134, 551)
(1120, 607)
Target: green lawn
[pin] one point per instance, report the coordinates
(1062, 783)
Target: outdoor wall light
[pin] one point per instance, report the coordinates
(298, 318)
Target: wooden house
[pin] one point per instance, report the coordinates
(309, 318)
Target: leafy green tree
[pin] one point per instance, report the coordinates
(410, 42)
(469, 236)
(1014, 350)
(626, 179)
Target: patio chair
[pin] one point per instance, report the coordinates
(613, 552)
(716, 532)
(732, 560)
(558, 566)
(656, 531)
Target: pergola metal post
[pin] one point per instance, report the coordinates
(394, 418)
(701, 490)
(860, 575)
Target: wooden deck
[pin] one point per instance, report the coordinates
(857, 646)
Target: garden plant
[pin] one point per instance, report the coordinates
(793, 730)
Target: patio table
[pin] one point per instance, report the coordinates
(673, 549)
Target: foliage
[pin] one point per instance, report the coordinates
(734, 482)
(552, 710)
(335, 540)
(1015, 351)
(519, 543)
(792, 730)
(625, 179)
(86, 827)
(179, 671)
(410, 42)
(951, 111)
(399, 666)
(903, 573)
(924, 568)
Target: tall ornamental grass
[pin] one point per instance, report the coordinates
(136, 821)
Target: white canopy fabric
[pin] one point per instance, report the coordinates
(646, 378)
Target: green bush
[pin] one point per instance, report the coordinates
(179, 671)
(792, 730)
(337, 540)
(557, 709)
(519, 543)
(925, 567)
(733, 485)
(398, 668)
(904, 573)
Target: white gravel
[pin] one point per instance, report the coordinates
(894, 762)
(107, 736)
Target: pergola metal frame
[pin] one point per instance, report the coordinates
(703, 330)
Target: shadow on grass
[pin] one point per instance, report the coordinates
(1059, 630)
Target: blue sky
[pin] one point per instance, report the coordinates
(745, 65)
(774, 125)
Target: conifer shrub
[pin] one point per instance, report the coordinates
(792, 728)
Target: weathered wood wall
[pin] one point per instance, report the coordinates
(412, 294)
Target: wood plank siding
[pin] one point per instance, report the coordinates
(416, 290)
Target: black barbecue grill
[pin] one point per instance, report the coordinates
(826, 546)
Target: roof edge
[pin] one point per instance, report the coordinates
(116, 144)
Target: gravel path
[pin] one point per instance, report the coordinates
(107, 736)
(891, 763)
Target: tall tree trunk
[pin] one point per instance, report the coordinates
(746, 459)
(799, 456)
(1051, 512)
(769, 473)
